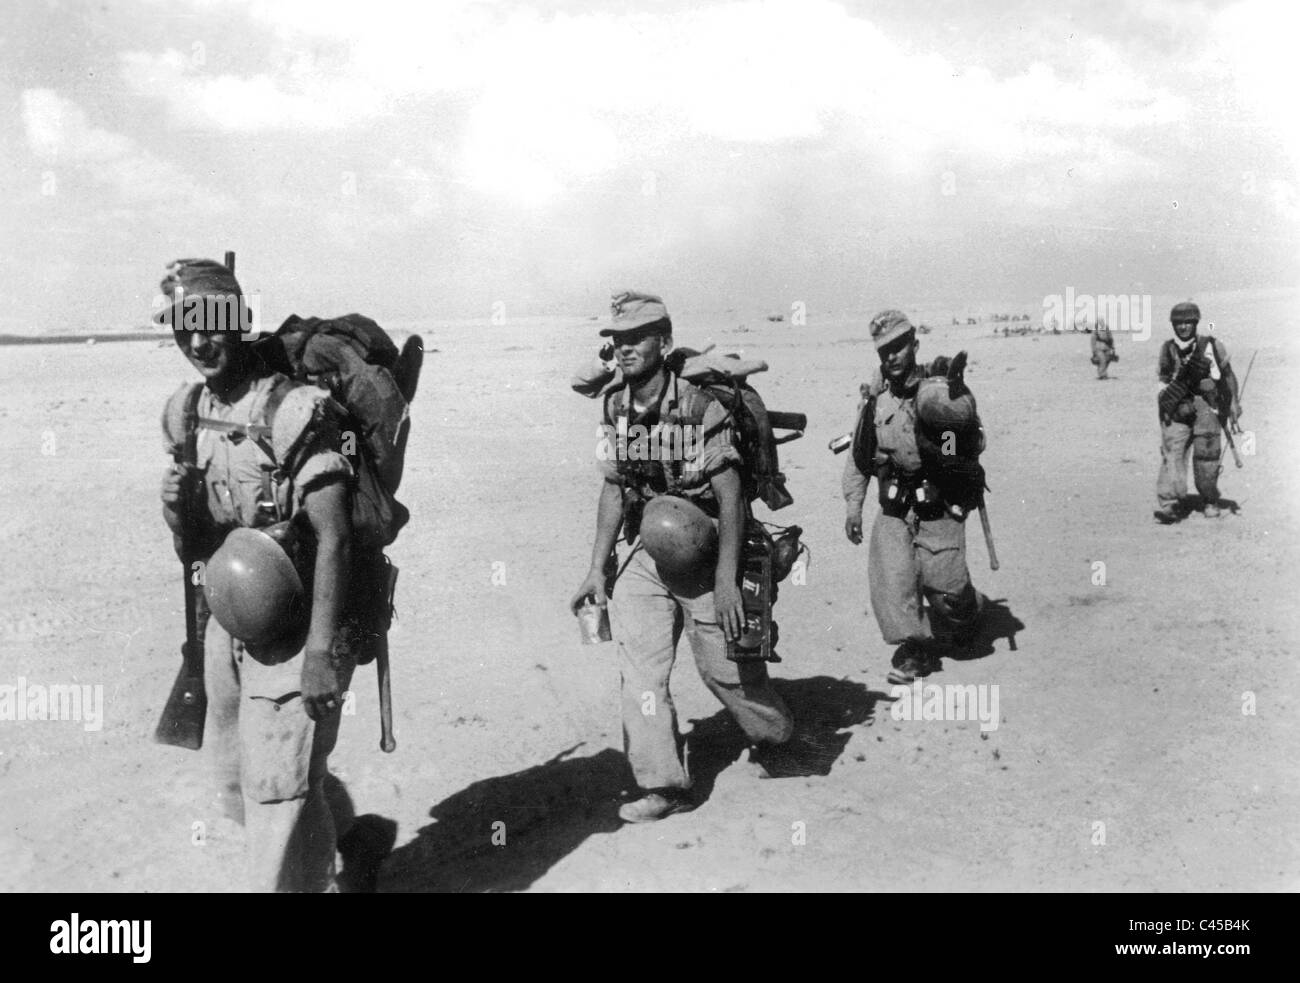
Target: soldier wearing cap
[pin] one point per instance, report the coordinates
(274, 696)
(918, 539)
(1198, 390)
(653, 602)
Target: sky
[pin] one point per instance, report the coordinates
(457, 159)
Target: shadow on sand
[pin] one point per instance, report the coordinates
(547, 811)
(550, 809)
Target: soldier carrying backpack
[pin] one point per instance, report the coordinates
(281, 501)
(686, 444)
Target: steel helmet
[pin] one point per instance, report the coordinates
(937, 409)
(1185, 312)
(677, 534)
(253, 589)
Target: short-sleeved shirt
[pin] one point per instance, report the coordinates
(240, 471)
(703, 444)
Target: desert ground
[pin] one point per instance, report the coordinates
(1147, 725)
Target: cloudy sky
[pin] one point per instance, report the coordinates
(432, 160)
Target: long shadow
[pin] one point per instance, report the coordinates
(502, 833)
(824, 708)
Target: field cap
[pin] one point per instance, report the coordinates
(191, 279)
(630, 310)
(888, 326)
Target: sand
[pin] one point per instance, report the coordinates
(1121, 760)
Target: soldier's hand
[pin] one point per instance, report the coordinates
(853, 528)
(1169, 399)
(593, 586)
(730, 610)
(321, 693)
(173, 485)
(1234, 414)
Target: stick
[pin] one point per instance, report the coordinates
(1241, 391)
(386, 742)
(988, 537)
(1227, 432)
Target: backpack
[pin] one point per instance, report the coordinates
(357, 362)
(754, 424)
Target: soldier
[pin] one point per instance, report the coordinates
(929, 481)
(655, 599)
(1103, 347)
(275, 682)
(1197, 390)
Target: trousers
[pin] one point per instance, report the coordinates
(271, 761)
(648, 615)
(909, 559)
(1202, 438)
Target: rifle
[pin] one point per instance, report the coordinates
(1223, 422)
(181, 723)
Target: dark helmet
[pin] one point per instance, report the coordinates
(939, 411)
(253, 589)
(677, 534)
(1185, 312)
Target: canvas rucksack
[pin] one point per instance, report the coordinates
(357, 362)
(724, 379)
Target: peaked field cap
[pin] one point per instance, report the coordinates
(888, 326)
(630, 310)
(196, 278)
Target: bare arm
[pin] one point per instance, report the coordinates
(609, 520)
(328, 511)
(731, 530)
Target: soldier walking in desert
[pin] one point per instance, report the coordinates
(918, 434)
(684, 521)
(1198, 396)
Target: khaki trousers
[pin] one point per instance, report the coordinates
(648, 615)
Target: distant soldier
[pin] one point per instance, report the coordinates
(920, 438)
(691, 583)
(1198, 394)
(1103, 347)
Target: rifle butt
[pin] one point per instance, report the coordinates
(181, 722)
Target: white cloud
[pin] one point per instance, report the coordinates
(557, 98)
(59, 133)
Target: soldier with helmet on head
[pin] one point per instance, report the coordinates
(1198, 393)
(266, 507)
(919, 435)
(683, 520)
